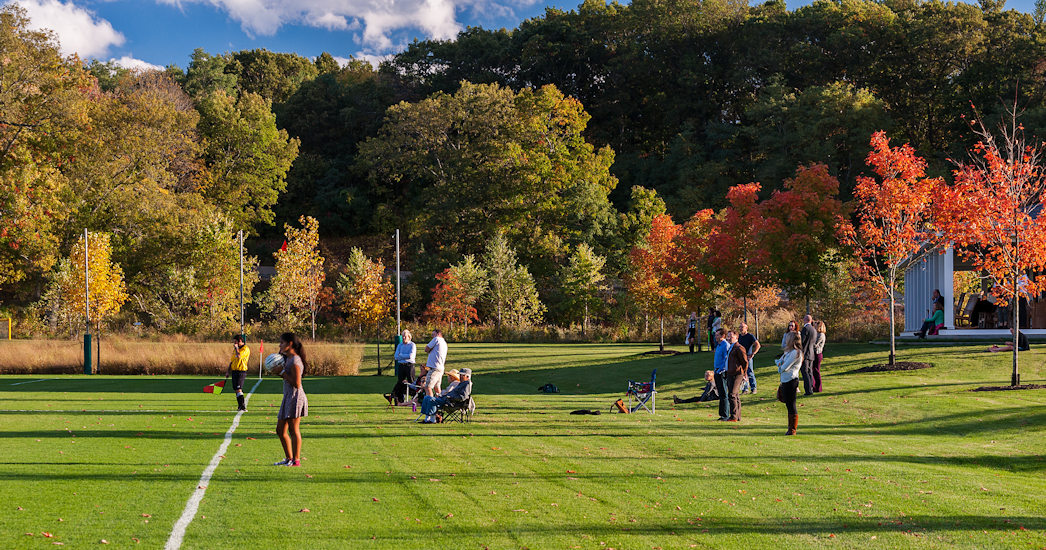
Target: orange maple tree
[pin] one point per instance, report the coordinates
(450, 301)
(893, 220)
(993, 213)
(690, 262)
(652, 280)
(800, 230)
(741, 256)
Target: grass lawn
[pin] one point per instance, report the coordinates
(885, 460)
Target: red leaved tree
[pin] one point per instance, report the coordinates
(652, 280)
(800, 230)
(691, 260)
(741, 256)
(450, 301)
(993, 212)
(893, 220)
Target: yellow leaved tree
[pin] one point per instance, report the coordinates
(296, 287)
(364, 292)
(67, 294)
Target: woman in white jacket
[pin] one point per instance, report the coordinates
(788, 365)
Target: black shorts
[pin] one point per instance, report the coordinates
(238, 376)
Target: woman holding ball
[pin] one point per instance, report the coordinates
(295, 404)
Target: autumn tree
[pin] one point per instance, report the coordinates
(581, 281)
(992, 212)
(692, 260)
(741, 255)
(364, 292)
(450, 301)
(299, 276)
(67, 297)
(651, 279)
(894, 218)
(800, 230)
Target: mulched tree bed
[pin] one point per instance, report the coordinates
(1018, 387)
(898, 365)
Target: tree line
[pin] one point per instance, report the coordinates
(564, 141)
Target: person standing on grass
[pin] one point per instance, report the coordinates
(719, 359)
(751, 345)
(437, 350)
(809, 339)
(238, 368)
(788, 365)
(708, 327)
(819, 350)
(295, 403)
(404, 357)
(691, 330)
(736, 367)
(792, 327)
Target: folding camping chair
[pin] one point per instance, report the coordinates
(457, 410)
(643, 393)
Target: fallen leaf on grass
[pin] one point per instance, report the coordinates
(103, 541)
(308, 476)
(433, 479)
(449, 515)
(571, 472)
(521, 510)
(375, 499)
(304, 510)
(252, 438)
(46, 534)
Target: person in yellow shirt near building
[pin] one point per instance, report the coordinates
(238, 368)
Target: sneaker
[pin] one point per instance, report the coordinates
(283, 462)
(294, 463)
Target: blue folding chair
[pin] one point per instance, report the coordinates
(644, 394)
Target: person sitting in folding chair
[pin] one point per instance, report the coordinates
(461, 392)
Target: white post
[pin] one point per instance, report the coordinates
(398, 329)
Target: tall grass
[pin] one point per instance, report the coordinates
(125, 356)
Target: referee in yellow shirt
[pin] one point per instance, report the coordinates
(238, 368)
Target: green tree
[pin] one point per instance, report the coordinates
(511, 294)
(582, 282)
(274, 76)
(247, 156)
(207, 74)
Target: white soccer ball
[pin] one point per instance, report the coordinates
(272, 361)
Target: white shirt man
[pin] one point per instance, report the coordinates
(437, 350)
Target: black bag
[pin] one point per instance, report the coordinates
(548, 388)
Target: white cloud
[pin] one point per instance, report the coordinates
(374, 60)
(77, 29)
(129, 62)
(378, 19)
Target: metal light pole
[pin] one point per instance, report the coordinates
(87, 310)
(398, 329)
(241, 281)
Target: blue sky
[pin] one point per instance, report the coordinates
(161, 32)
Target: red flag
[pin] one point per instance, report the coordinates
(284, 247)
(215, 388)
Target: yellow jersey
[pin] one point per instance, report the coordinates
(239, 359)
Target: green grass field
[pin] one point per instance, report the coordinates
(888, 460)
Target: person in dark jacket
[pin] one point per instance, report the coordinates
(736, 374)
(809, 339)
(709, 394)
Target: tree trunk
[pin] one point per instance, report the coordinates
(893, 342)
(584, 322)
(744, 301)
(1015, 378)
(662, 347)
(755, 317)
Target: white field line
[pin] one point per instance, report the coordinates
(174, 542)
(31, 381)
